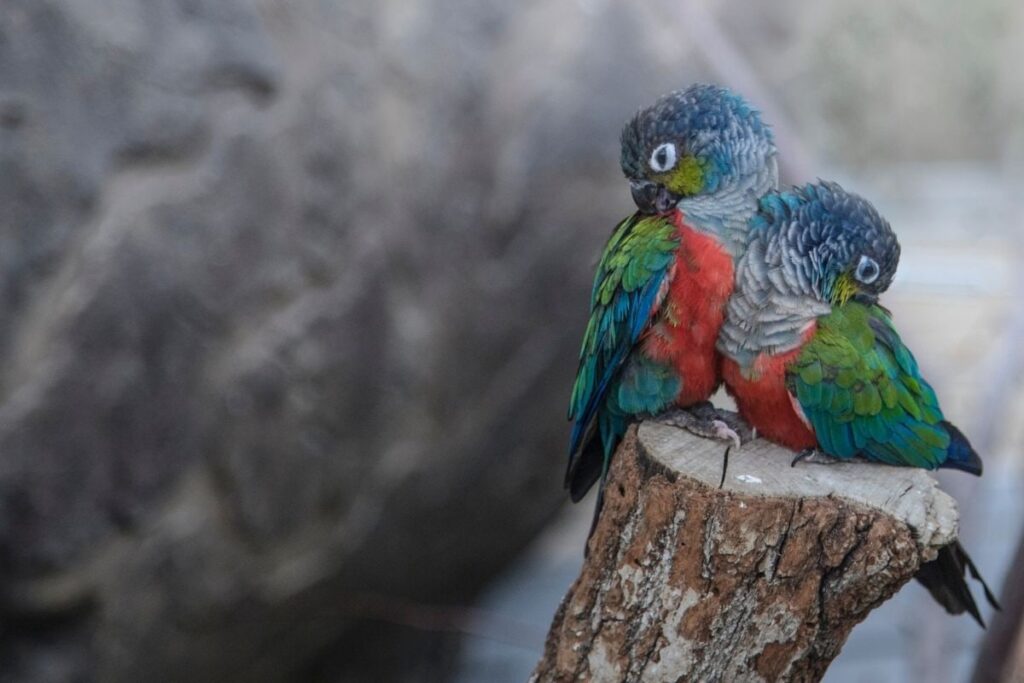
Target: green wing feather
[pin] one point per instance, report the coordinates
(627, 290)
(861, 390)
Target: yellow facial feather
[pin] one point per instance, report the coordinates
(844, 289)
(685, 179)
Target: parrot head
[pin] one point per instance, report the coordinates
(851, 252)
(693, 142)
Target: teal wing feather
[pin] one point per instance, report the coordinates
(627, 292)
(863, 394)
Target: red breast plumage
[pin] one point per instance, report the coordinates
(764, 401)
(694, 308)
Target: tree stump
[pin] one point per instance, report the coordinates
(760, 580)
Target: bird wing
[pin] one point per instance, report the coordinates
(629, 288)
(860, 389)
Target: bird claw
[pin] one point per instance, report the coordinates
(815, 457)
(707, 421)
(724, 432)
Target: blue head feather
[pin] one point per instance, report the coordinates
(709, 122)
(835, 231)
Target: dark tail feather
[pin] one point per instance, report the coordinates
(945, 579)
(585, 469)
(976, 575)
(598, 504)
(961, 455)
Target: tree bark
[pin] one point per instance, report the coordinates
(760, 580)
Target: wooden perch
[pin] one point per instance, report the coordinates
(759, 580)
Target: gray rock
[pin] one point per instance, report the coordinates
(290, 299)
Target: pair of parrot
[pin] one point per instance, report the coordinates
(720, 277)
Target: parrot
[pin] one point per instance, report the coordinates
(696, 160)
(815, 363)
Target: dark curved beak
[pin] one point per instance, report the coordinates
(866, 298)
(651, 197)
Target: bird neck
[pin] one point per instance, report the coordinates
(775, 300)
(726, 213)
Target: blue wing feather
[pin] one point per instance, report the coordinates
(625, 296)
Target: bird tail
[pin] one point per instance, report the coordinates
(585, 467)
(961, 455)
(945, 579)
(593, 520)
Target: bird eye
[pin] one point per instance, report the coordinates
(867, 270)
(663, 157)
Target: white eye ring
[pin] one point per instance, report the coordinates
(663, 158)
(867, 270)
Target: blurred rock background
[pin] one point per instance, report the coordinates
(291, 292)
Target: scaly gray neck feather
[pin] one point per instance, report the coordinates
(726, 213)
(775, 298)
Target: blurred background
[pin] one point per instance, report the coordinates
(291, 293)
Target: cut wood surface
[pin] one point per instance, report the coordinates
(760, 580)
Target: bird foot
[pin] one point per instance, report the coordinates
(707, 421)
(815, 457)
